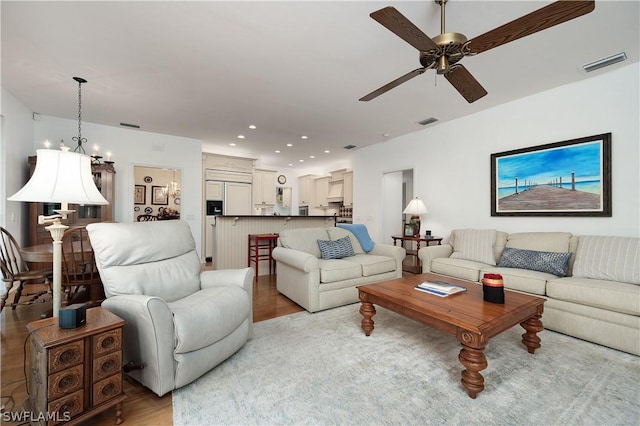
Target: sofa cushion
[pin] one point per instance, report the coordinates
(550, 262)
(336, 249)
(619, 297)
(608, 258)
(374, 265)
(474, 244)
(540, 241)
(521, 279)
(332, 270)
(459, 268)
(303, 239)
(336, 233)
(222, 308)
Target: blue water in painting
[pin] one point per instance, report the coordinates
(592, 186)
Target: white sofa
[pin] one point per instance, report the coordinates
(596, 299)
(316, 283)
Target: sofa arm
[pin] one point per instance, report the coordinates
(428, 253)
(148, 339)
(296, 259)
(397, 252)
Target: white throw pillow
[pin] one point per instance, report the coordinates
(474, 244)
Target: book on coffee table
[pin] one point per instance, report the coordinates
(440, 288)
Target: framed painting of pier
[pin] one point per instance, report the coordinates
(568, 178)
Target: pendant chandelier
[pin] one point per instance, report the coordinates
(79, 140)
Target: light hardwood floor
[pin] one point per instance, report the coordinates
(142, 407)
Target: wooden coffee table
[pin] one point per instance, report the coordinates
(465, 315)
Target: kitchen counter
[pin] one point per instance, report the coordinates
(230, 235)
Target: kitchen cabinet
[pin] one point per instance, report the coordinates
(264, 188)
(348, 189)
(214, 190)
(306, 189)
(321, 192)
(103, 177)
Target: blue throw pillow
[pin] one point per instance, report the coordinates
(551, 262)
(336, 249)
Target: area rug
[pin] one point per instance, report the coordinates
(320, 369)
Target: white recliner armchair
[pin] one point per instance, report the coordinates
(180, 321)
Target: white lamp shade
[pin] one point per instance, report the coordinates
(61, 177)
(416, 207)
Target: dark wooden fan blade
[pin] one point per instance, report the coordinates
(465, 83)
(546, 17)
(394, 83)
(398, 24)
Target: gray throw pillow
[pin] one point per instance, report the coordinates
(336, 249)
(551, 262)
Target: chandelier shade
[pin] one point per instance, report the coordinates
(61, 177)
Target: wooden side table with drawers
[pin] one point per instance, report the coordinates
(75, 373)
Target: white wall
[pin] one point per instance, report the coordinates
(455, 185)
(128, 148)
(16, 144)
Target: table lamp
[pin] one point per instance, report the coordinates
(415, 208)
(62, 177)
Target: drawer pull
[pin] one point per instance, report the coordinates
(109, 366)
(108, 342)
(67, 382)
(69, 356)
(109, 389)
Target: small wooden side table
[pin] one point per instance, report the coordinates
(75, 373)
(417, 267)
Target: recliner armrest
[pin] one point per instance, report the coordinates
(296, 259)
(240, 277)
(428, 253)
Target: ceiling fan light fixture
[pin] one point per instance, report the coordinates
(605, 62)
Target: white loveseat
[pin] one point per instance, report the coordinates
(316, 283)
(597, 298)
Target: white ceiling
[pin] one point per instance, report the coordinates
(209, 69)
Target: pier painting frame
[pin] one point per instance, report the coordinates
(567, 178)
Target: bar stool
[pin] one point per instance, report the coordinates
(260, 247)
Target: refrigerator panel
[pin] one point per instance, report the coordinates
(237, 198)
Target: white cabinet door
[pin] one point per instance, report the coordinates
(214, 190)
(264, 188)
(238, 199)
(322, 191)
(348, 189)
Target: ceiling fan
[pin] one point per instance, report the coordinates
(444, 51)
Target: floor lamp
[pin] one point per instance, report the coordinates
(62, 177)
(415, 208)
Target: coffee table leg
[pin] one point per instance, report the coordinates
(532, 325)
(472, 357)
(368, 311)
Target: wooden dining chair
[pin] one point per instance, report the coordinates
(15, 270)
(80, 277)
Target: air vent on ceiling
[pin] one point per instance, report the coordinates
(349, 147)
(133, 126)
(428, 121)
(605, 62)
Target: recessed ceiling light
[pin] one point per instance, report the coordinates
(232, 144)
(312, 156)
(303, 137)
(302, 161)
(289, 144)
(326, 151)
(290, 165)
(252, 126)
(240, 136)
(386, 135)
(277, 151)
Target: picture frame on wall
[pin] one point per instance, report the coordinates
(567, 178)
(159, 196)
(140, 194)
